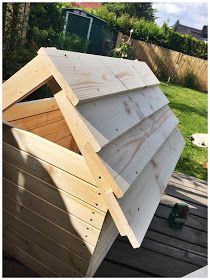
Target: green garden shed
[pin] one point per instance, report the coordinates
(91, 28)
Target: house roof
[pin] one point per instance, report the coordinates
(121, 122)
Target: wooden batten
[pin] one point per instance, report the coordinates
(85, 164)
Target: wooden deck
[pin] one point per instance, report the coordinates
(165, 252)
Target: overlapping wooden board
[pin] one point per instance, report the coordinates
(148, 187)
(113, 113)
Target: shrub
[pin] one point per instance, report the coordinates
(191, 81)
(162, 70)
(150, 32)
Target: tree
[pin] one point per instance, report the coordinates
(137, 10)
(175, 25)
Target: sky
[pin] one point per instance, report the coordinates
(194, 14)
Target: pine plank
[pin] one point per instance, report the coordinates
(45, 150)
(56, 197)
(127, 156)
(29, 78)
(87, 145)
(30, 108)
(50, 128)
(46, 243)
(132, 74)
(35, 121)
(28, 260)
(54, 176)
(39, 254)
(134, 206)
(58, 135)
(92, 77)
(110, 117)
(107, 237)
(61, 236)
(59, 217)
(85, 74)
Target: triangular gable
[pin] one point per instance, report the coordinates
(122, 125)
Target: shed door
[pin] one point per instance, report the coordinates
(78, 25)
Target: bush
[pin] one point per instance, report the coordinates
(191, 81)
(162, 70)
(150, 32)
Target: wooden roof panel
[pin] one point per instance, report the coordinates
(93, 76)
(134, 211)
(110, 117)
(127, 156)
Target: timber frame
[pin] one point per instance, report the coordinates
(77, 81)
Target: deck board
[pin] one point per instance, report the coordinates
(165, 252)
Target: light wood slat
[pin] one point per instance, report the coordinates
(54, 176)
(30, 108)
(49, 128)
(59, 217)
(46, 243)
(38, 120)
(126, 156)
(47, 151)
(112, 116)
(29, 78)
(91, 77)
(59, 198)
(61, 236)
(28, 260)
(86, 144)
(138, 205)
(107, 237)
(39, 254)
(125, 71)
(144, 72)
(85, 74)
(65, 142)
(58, 135)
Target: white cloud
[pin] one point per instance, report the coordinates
(193, 14)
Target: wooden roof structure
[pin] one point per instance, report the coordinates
(121, 122)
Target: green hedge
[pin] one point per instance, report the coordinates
(150, 32)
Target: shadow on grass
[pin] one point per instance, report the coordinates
(191, 167)
(183, 107)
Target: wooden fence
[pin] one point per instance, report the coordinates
(167, 63)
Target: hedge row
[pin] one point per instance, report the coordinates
(150, 32)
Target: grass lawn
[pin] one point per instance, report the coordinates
(190, 106)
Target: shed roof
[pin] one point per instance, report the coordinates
(121, 122)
